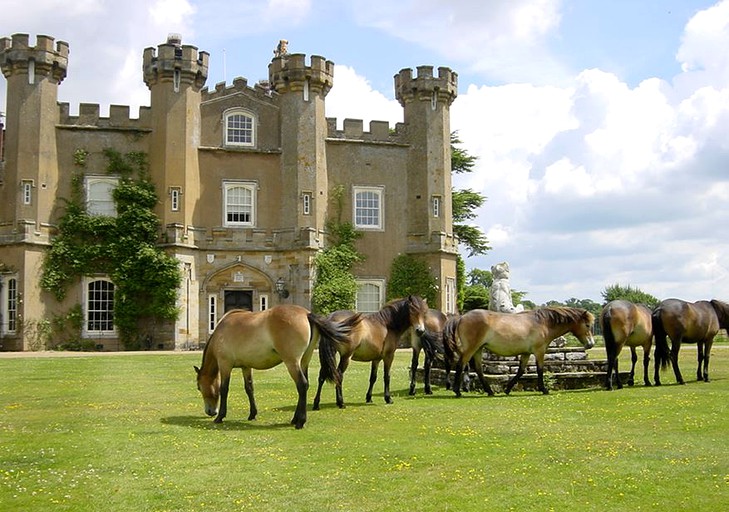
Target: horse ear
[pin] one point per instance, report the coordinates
(197, 370)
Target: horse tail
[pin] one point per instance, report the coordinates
(607, 330)
(432, 343)
(659, 333)
(332, 335)
(449, 337)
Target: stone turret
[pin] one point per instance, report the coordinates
(302, 89)
(31, 172)
(175, 74)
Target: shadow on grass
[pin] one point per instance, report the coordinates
(204, 423)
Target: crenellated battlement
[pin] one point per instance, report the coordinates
(425, 87)
(173, 59)
(289, 73)
(16, 55)
(353, 130)
(239, 85)
(119, 119)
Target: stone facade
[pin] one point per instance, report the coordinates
(244, 175)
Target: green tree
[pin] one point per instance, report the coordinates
(410, 275)
(466, 202)
(635, 295)
(588, 304)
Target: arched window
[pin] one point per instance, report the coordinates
(239, 204)
(99, 313)
(369, 295)
(240, 128)
(100, 195)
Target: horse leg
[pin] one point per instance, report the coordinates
(540, 374)
(522, 368)
(707, 356)
(427, 364)
(387, 364)
(317, 397)
(633, 362)
(646, 363)
(675, 348)
(248, 385)
(478, 368)
(447, 369)
(458, 378)
(224, 387)
(343, 365)
(609, 375)
(373, 379)
(414, 369)
(302, 386)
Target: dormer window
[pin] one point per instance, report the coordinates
(239, 128)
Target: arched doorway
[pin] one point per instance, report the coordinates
(238, 299)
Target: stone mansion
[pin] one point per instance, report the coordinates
(245, 177)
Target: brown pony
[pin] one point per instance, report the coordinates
(689, 322)
(512, 334)
(262, 340)
(373, 340)
(625, 323)
(429, 341)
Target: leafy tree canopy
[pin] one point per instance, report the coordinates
(635, 295)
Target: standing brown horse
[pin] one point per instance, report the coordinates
(625, 323)
(689, 322)
(374, 339)
(430, 340)
(512, 334)
(262, 340)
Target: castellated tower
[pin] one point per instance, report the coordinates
(175, 75)
(302, 90)
(31, 171)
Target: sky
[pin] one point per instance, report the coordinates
(601, 128)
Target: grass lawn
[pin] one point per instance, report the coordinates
(127, 433)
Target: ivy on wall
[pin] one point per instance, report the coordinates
(410, 275)
(335, 287)
(124, 247)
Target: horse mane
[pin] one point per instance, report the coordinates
(560, 315)
(396, 313)
(722, 311)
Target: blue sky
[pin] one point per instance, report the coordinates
(600, 127)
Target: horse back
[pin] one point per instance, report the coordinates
(690, 321)
(261, 340)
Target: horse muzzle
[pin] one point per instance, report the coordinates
(420, 330)
(590, 343)
(210, 411)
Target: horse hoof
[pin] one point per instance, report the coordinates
(218, 420)
(647, 383)
(411, 392)
(430, 391)
(315, 407)
(341, 406)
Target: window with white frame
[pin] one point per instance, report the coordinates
(99, 312)
(27, 191)
(263, 302)
(239, 128)
(212, 313)
(239, 203)
(9, 306)
(100, 195)
(175, 193)
(450, 305)
(368, 211)
(370, 294)
(436, 206)
(306, 203)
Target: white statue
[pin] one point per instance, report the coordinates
(500, 296)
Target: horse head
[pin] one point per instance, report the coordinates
(583, 329)
(209, 387)
(417, 310)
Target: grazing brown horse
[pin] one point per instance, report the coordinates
(429, 341)
(512, 334)
(624, 323)
(687, 322)
(262, 340)
(373, 340)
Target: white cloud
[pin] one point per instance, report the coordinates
(353, 97)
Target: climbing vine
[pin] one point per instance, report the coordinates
(124, 247)
(335, 286)
(410, 275)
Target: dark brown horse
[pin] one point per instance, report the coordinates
(512, 334)
(374, 339)
(429, 341)
(687, 322)
(262, 340)
(624, 323)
